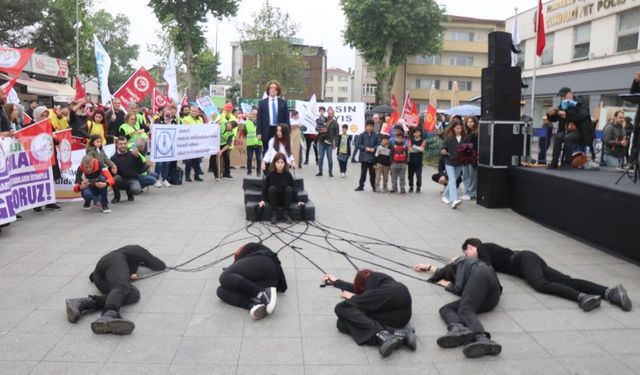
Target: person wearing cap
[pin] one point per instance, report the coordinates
(272, 111)
(574, 127)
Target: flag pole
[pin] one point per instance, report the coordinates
(535, 66)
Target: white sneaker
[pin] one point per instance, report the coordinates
(343, 175)
(166, 183)
(456, 204)
(445, 200)
(465, 197)
(158, 184)
(258, 311)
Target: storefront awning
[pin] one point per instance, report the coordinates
(44, 88)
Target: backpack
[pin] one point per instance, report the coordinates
(399, 153)
(176, 176)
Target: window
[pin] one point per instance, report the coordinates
(461, 60)
(462, 85)
(368, 89)
(443, 104)
(581, 41)
(461, 36)
(547, 54)
(427, 83)
(370, 106)
(342, 99)
(329, 90)
(429, 60)
(371, 73)
(329, 78)
(343, 78)
(628, 29)
(343, 89)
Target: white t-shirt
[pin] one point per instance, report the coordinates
(271, 152)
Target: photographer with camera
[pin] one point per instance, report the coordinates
(93, 180)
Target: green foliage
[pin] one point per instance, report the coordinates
(387, 32)
(233, 94)
(268, 40)
(207, 63)
(17, 20)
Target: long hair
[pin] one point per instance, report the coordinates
(360, 281)
(450, 133)
(286, 142)
(9, 108)
(277, 157)
(468, 130)
(266, 88)
(93, 139)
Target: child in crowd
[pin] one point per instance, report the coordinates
(382, 161)
(416, 154)
(399, 158)
(344, 150)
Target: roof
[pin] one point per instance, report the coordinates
(461, 19)
(337, 71)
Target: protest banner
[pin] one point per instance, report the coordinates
(208, 107)
(351, 114)
(22, 187)
(37, 142)
(137, 87)
(182, 142)
(64, 185)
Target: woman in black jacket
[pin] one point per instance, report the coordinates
(376, 310)
(278, 189)
(470, 168)
(253, 280)
(453, 137)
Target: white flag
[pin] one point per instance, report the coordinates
(308, 119)
(103, 61)
(515, 40)
(171, 78)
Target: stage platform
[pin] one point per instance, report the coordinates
(583, 204)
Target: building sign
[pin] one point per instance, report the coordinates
(48, 66)
(564, 13)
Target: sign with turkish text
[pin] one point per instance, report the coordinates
(351, 114)
(180, 142)
(48, 66)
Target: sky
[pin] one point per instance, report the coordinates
(321, 26)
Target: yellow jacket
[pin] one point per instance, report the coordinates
(58, 124)
(96, 128)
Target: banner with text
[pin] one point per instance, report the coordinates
(182, 142)
(351, 114)
(22, 187)
(64, 185)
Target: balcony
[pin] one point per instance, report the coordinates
(423, 94)
(444, 70)
(456, 46)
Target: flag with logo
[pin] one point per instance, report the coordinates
(158, 100)
(65, 141)
(37, 142)
(410, 112)
(136, 88)
(430, 119)
(103, 62)
(13, 60)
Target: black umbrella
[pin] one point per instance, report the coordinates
(386, 109)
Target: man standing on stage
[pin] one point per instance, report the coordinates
(272, 111)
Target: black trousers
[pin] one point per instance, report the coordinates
(364, 168)
(130, 185)
(569, 140)
(387, 308)
(311, 143)
(343, 166)
(251, 150)
(415, 169)
(225, 164)
(245, 278)
(547, 280)
(481, 294)
(113, 282)
(281, 198)
(192, 164)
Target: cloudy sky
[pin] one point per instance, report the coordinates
(321, 26)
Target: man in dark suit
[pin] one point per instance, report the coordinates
(272, 111)
(635, 148)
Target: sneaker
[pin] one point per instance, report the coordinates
(217, 178)
(465, 197)
(115, 200)
(481, 347)
(248, 173)
(188, 179)
(86, 205)
(166, 183)
(53, 207)
(318, 174)
(457, 335)
(158, 184)
(417, 190)
(402, 191)
(359, 188)
(131, 198)
(106, 209)
(198, 178)
(229, 178)
(456, 204)
(37, 210)
(618, 296)
(268, 297)
(258, 311)
(445, 200)
(343, 175)
(588, 302)
(330, 174)
(411, 189)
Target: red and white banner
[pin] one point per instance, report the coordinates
(430, 119)
(137, 87)
(65, 140)
(158, 100)
(13, 60)
(409, 112)
(37, 142)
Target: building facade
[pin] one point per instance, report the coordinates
(314, 80)
(340, 86)
(464, 54)
(592, 46)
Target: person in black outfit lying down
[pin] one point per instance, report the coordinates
(534, 270)
(112, 276)
(376, 310)
(278, 189)
(253, 279)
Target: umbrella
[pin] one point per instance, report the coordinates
(432, 97)
(455, 91)
(386, 109)
(464, 110)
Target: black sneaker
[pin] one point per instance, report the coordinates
(268, 297)
(318, 174)
(553, 165)
(388, 342)
(188, 179)
(131, 198)
(106, 209)
(330, 174)
(359, 188)
(53, 207)
(112, 322)
(618, 296)
(37, 210)
(402, 191)
(417, 190)
(86, 205)
(588, 302)
(115, 200)
(481, 347)
(411, 189)
(197, 178)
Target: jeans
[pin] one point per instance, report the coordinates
(470, 180)
(251, 150)
(162, 170)
(148, 180)
(451, 191)
(324, 148)
(93, 193)
(613, 161)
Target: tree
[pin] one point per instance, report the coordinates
(387, 32)
(233, 93)
(184, 19)
(267, 41)
(17, 20)
(207, 63)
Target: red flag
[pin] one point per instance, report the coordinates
(78, 143)
(37, 142)
(158, 100)
(80, 91)
(65, 141)
(13, 60)
(9, 85)
(409, 112)
(185, 100)
(539, 28)
(394, 103)
(137, 87)
(26, 119)
(430, 119)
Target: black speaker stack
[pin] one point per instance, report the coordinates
(501, 137)
(253, 187)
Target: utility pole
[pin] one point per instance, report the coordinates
(77, 39)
